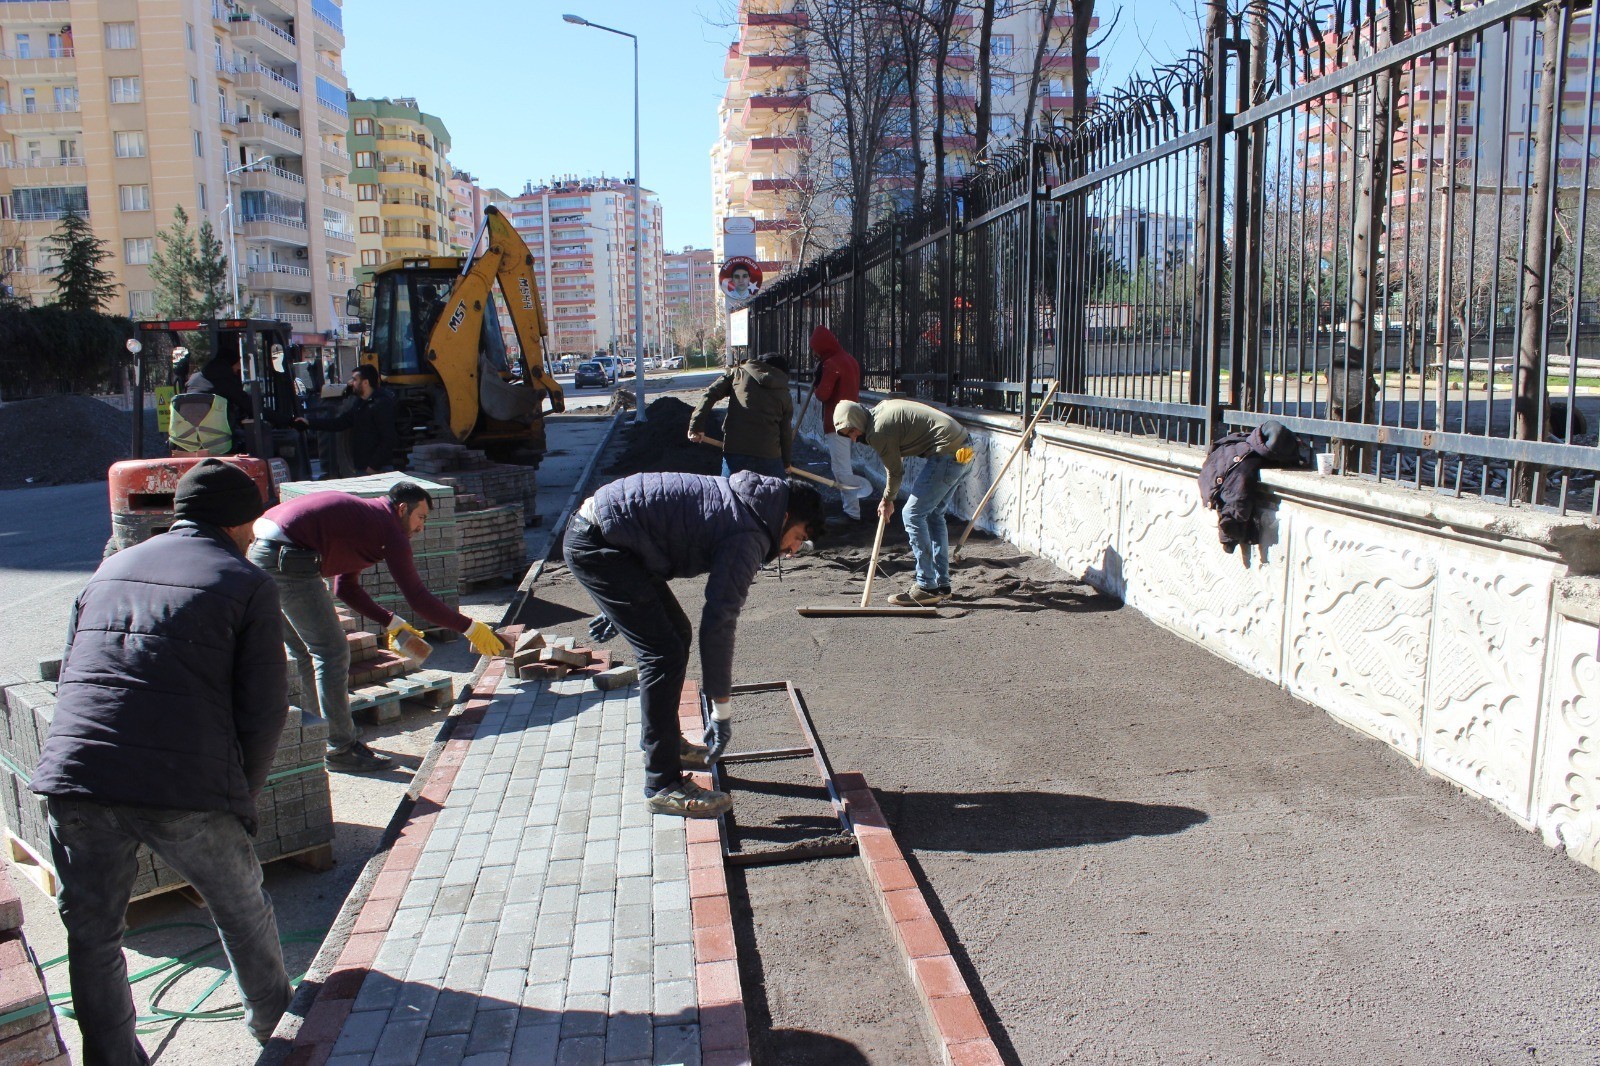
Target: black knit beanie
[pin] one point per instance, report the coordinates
(218, 494)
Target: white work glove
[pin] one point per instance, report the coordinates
(720, 731)
(396, 627)
(484, 640)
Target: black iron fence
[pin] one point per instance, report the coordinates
(1378, 225)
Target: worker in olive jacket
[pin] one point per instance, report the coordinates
(758, 432)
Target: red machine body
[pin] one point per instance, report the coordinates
(142, 490)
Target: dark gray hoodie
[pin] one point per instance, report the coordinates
(760, 409)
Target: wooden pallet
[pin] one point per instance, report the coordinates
(431, 689)
(41, 873)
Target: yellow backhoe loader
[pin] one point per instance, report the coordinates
(435, 337)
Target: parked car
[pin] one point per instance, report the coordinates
(561, 366)
(611, 365)
(674, 363)
(590, 374)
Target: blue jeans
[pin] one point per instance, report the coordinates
(94, 848)
(923, 518)
(313, 638)
(732, 464)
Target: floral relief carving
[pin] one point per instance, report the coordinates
(1572, 795)
(1359, 644)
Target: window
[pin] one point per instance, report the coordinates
(141, 303)
(1002, 84)
(369, 223)
(194, 90)
(1002, 44)
(188, 35)
(128, 144)
(125, 90)
(30, 101)
(200, 196)
(365, 159)
(65, 97)
(371, 257)
(24, 46)
(366, 192)
(136, 251)
(120, 36)
(199, 144)
(1003, 125)
(134, 197)
(363, 127)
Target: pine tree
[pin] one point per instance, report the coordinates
(82, 284)
(211, 274)
(174, 269)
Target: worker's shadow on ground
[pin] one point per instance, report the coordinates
(1022, 820)
(465, 1024)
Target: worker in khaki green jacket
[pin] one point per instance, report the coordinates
(896, 430)
(757, 433)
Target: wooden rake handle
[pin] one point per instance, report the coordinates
(872, 567)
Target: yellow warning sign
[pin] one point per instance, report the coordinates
(164, 395)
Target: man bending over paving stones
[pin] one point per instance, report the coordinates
(171, 702)
(337, 535)
(627, 541)
(900, 429)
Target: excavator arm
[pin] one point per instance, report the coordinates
(453, 342)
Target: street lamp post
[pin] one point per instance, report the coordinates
(638, 223)
(233, 242)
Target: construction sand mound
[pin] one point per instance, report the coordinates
(63, 440)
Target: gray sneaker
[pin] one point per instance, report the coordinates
(688, 800)
(693, 756)
(917, 596)
(357, 759)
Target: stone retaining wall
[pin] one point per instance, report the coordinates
(1461, 634)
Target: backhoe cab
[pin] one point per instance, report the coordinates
(435, 337)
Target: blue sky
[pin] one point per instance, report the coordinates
(527, 96)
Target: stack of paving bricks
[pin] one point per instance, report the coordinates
(295, 809)
(492, 548)
(535, 659)
(435, 550)
(379, 678)
(30, 1036)
(470, 472)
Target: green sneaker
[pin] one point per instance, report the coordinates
(688, 800)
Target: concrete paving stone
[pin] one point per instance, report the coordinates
(676, 1003)
(506, 829)
(494, 879)
(416, 1000)
(540, 813)
(379, 991)
(454, 1011)
(549, 963)
(677, 1044)
(361, 1031)
(432, 863)
(636, 838)
(554, 756)
(674, 962)
(430, 963)
(673, 867)
(568, 846)
(635, 815)
(596, 906)
(564, 872)
(635, 921)
(633, 955)
(521, 914)
(486, 906)
(535, 1044)
(496, 782)
(585, 1016)
(441, 929)
(600, 852)
(449, 818)
(472, 847)
(488, 1058)
(553, 930)
(581, 1050)
(538, 837)
(493, 1030)
(523, 887)
(600, 878)
(394, 956)
(408, 923)
(511, 951)
(628, 1036)
(673, 927)
(443, 841)
(421, 892)
(669, 895)
(606, 807)
(559, 899)
(363, 1058)
(671, 838)
(461, 872)
(632, 993)
(549, 996)
(467, 971)
(546, 794)
(444, 1049)
(575, 820)
(476, 938)
(635, 891)
(591, 938)
(452, 899)
(635, 864)
(589, 975)
(401, 1043)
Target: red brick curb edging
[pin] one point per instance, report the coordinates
(724, 1033)
(961, 1038)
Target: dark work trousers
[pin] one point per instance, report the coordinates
(646, 613)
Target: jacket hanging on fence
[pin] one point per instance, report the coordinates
(1228, 478)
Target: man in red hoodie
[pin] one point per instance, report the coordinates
(838, 378)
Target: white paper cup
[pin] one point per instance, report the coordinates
(1326, 464)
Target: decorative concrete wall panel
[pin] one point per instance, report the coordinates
(1568, 803)
(1487, 661)
(1360, 613)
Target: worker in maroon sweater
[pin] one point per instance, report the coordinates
(337, 535)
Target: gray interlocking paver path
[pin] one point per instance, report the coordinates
(548, 917)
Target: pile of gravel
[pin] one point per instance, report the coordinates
(661, 442)
(64, 440)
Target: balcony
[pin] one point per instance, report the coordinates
(42, 119)
(333, 118)
(274, 179)
(777, 18)
(274, 229)
(49, 217)
(329, 34)
(36, 173)
(329, 68)
(335, 160)
(409, 210)
(334, 192)
(264, 38)
(279, 277)
(397, 174)
(404, 146)
(340, 241)
(339, 279)
(273, 132)
(53, 65)
(294, 318)
(42, 11)
(265, 84)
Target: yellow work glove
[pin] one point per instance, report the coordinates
(964, 455)
(484, 640)
(396, 627)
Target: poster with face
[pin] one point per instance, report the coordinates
(739, 280)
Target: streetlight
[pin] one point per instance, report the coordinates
(233, 243)
(611, 288)
(638, 224)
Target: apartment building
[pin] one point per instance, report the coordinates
(402, 181)
(689, 287)
(467, 201)
(580, 231)
(122, 110)
(773, 155)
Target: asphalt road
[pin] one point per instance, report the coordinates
(51, 540)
